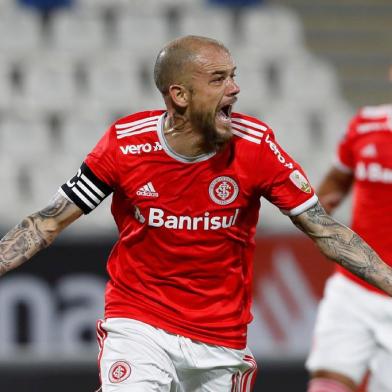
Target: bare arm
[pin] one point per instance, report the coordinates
(334, 188)
(36, 232)
(342, 245)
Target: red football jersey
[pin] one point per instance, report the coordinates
(366, 150)
(183, 261)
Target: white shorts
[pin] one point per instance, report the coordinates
(353, 334)
(137, 357)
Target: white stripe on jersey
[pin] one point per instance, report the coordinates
(241, 121)
(137, 127)
(92, 186)
(243, 128)
(134, 123)
(247, 130)
(372, 127)
(244, 136)
(132, 133)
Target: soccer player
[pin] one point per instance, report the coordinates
(353, 332)
(186, 184)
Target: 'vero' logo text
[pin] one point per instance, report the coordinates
(136, 149)
(274, 148)
(157, 218)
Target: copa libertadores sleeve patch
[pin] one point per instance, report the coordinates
(85, 189)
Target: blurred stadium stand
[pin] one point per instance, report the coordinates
(354, 36)
(63, 80)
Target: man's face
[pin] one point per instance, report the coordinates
(213, 92)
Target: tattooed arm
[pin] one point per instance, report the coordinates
(340, 244)
(36, 232)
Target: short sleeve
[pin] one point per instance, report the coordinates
(282, 180)
(96, 178)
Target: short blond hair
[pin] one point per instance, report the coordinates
(173, 60)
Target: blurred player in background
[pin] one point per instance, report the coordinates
(353, 331)
(186, 184)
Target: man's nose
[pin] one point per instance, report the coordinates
(232, 87)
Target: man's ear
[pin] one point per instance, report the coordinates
(179, 94)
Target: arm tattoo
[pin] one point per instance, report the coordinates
(57, 205)
(30, 236)
(342, 245)
(20, 242)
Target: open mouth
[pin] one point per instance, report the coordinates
(224, 113)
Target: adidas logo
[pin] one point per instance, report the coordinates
(147, 190)
(369, 151)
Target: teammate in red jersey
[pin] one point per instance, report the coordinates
(186, 184)
(353, 328)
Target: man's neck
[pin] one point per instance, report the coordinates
(181, 137)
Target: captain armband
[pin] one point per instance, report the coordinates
(85, 189)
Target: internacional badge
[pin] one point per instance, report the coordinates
(119, 372)
(223, 190)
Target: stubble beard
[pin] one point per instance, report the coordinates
(205, 123)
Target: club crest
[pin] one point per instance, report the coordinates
(119, 372)
(223, 190)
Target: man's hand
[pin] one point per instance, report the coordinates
(36, 232)
(342, 245)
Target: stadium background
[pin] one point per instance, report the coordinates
(304, 66)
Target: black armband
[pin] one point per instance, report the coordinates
(85, 189)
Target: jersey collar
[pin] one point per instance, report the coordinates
(169, 151)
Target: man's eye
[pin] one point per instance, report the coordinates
(219, 79)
